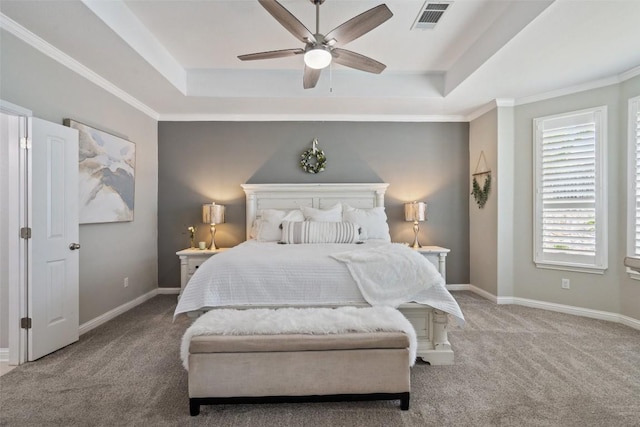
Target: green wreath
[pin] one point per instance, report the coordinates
(313, 160)
(481, 194)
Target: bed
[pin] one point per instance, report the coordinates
(268, 274)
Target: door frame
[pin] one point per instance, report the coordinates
(19, 216)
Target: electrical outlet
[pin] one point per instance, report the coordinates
(126, 282)
(566, 284)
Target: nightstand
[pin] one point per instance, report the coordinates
(190, 260)
(437, 256)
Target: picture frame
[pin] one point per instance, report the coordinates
(106, 179)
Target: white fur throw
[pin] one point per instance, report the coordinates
(317, 321)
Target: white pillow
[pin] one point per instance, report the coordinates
(373, 222)
(319, 232)
(333, 214)
(268, 226)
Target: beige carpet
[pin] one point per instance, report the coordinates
(515, 366)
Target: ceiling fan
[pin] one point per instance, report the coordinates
(319, 49)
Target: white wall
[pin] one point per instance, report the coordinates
(112, 251)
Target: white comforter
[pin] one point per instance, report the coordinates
(269, 274)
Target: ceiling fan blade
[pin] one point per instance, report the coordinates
(310, 78)
(357, 61)
(288, 21)
(359, 25)
(270, 54)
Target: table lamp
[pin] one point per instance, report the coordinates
(212, 214)
(416, 212)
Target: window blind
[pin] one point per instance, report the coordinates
(569, 190)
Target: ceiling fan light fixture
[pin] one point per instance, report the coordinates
(317, 57)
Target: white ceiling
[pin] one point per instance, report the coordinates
(177, 59)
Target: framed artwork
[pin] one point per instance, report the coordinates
(107, 175)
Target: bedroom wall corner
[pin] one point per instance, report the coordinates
(111, 251)
(483, 222)
(629, 288)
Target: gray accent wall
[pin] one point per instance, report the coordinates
(200, 162)
(110, 252)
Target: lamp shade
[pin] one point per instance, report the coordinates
(415, 211)
(212, 213)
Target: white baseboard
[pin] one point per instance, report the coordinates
(560, 308)
(111, 314)
(4, 355)
(168, 291)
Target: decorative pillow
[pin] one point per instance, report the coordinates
(319, 232)
(333, 214)
(373, 222)
(268, 226)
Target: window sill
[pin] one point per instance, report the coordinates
(633, 274)
(574, 267)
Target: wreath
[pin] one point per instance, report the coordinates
(313, 160)
(481, 194)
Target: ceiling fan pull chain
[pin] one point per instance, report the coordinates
(331, 77)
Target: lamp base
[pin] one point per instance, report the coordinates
(416, 244)
(212, 247)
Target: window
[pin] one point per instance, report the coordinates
(570, 200)
(633, 203)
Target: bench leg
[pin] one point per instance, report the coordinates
(404, 402)
(194, 407)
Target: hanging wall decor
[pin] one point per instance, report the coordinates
(106, 175)
(313, 159)
(481, 194)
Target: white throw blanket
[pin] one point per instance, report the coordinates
(318, 321)
(390, 274)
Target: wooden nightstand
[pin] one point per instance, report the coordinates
(190, 260)
(437, 256)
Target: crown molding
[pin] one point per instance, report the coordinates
(309, 118)
(56, 54)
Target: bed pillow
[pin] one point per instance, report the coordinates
(268, 226)
(373, 222)
(333, 214)
(319, 232)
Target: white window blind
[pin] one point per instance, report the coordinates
(634, 178)
(570, 206)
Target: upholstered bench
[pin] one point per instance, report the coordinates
(364, 359)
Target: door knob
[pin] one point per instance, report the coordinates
(74, 246)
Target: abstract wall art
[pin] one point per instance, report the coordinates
(106, 175)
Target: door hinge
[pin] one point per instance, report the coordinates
(25, 323)
(25, 232)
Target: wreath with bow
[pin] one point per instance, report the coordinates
(313, 159)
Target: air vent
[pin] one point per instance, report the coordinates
(430, 15)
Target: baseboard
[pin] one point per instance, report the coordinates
(4, 355)
(111, 314)
(168, 291)
(457, 287)
(560, 308)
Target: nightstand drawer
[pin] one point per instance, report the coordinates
(193, 263)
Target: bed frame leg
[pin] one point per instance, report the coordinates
(404, 402)
(194, 407)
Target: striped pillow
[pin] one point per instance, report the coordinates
(319, 232)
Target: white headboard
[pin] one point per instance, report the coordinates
(322, 196)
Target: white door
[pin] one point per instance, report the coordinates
(53, 253)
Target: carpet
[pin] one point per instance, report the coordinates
(515, 366)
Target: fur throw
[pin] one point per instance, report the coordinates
(263, 321)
